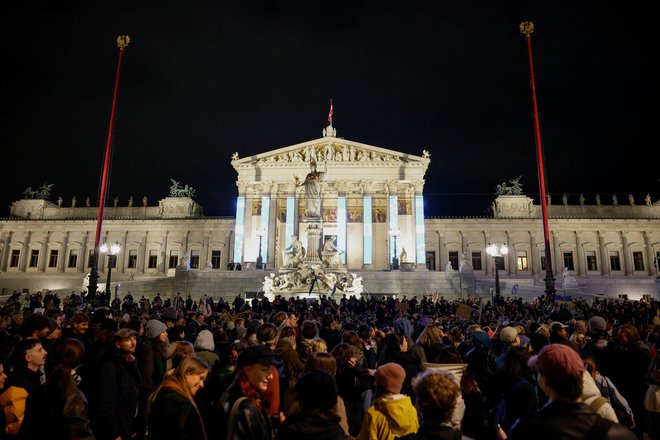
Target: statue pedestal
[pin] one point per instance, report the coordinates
(314, 230)
(407, 267)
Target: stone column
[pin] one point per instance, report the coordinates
(41, 267)
(512, 267)
(485, 256)
(65, 246)
(650, 256)
(205, 253)
(123, 253)
(84, 254)
(247, 214)
(226, 250)
(534, 257)
(443, 257)
(367, 224)
(142, 259)
(627, 265)
(580, 262)
(6, 252)
(272, 228)
(25, 252)
(163, 253)
(557, 259)
(604, 256)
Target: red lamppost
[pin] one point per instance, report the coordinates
(527, 27)
(122, 43)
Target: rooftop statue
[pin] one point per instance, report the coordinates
(42, 193)
(179, 191)
(514, 190)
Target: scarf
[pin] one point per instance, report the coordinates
(252, 394)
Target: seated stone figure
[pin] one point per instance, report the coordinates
(330, 254)
(294, 254)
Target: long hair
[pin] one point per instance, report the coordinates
(177, 380)
(182, 350)
(342, 353)
(71, 353)
(320, 361)
(430, 335)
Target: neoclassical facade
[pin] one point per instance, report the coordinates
(371, 207)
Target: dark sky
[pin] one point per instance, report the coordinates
(202, 79)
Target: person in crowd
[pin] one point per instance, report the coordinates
(560, 370)
(508, 339)
(437, 393)
(173, 413)
(369, 346)
(194, 326)
(354, 384)
(77, 328)
(431, 342)
(242, 409)
(308, 333)
(353, 340)
(286, 351)
(396, 351)
(23, 395)
(180, 350)
(67, 407)
(35, 326)
(316, 416)
(205, 348)
(117, 390)
(651, 425)
(329, 333)
(609, 391)
(393, 414)
(155, 351)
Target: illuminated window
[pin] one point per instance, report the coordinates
(476, 260)
(419, 229)
(153, 259)
(15, 258)
(638, 260)
(568, 260)
(215, 259)
(453, 259)
(430, 260)
(521, 260)
(238, 229)
(366, 202)
(73, 258)
(194, 259)
(132, 259)
(34, 258)
(174, 259)
(615, 261)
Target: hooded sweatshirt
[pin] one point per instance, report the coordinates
(204, 347)
(390, 417)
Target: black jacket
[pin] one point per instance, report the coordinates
(562, 420)
(309, 427)
(249, 424)
(173, 416)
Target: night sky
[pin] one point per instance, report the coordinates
(202, 79)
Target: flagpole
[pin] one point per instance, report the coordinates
(527, 27)
(122, 43)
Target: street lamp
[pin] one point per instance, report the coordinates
(395, 259)
(260, 260)
(112, 252)
(497, 251)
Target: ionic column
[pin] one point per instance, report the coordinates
(272, 228)
(142, 260)
(163, 253)
(580, 262)
(205, 253)
(485, 254)
(41, 266)
(650, 257)
(511, 256)
(535, 254)
(65, 245)
(442, 251)
(25, 255)
(558, 257)
(367, 226)
(81, 264)
(121, 265)
(604, 256)
(627, 265)
(6, 251)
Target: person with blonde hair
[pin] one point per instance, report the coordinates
(172, 410)
(180, 350)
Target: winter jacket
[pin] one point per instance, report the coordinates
(173, 416)
(293, 363)
(23, 397)
(309, 427)
(566, 421)
(117, 394)
(249, 423)
(391, 417)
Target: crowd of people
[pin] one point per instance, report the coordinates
(89, 366)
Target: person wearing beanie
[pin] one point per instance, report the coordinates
(316, 416)
(508, 338)
(205, 348)
(393, 414)
(154, 352)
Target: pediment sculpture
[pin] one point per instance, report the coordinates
(330, 152)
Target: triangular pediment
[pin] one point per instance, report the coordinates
(332, 150)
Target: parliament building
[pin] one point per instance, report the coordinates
(372, 208)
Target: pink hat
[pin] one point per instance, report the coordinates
(557, 361)
(390, 377)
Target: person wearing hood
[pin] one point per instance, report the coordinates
(317, 417)
(205, 348)
(393, 414)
